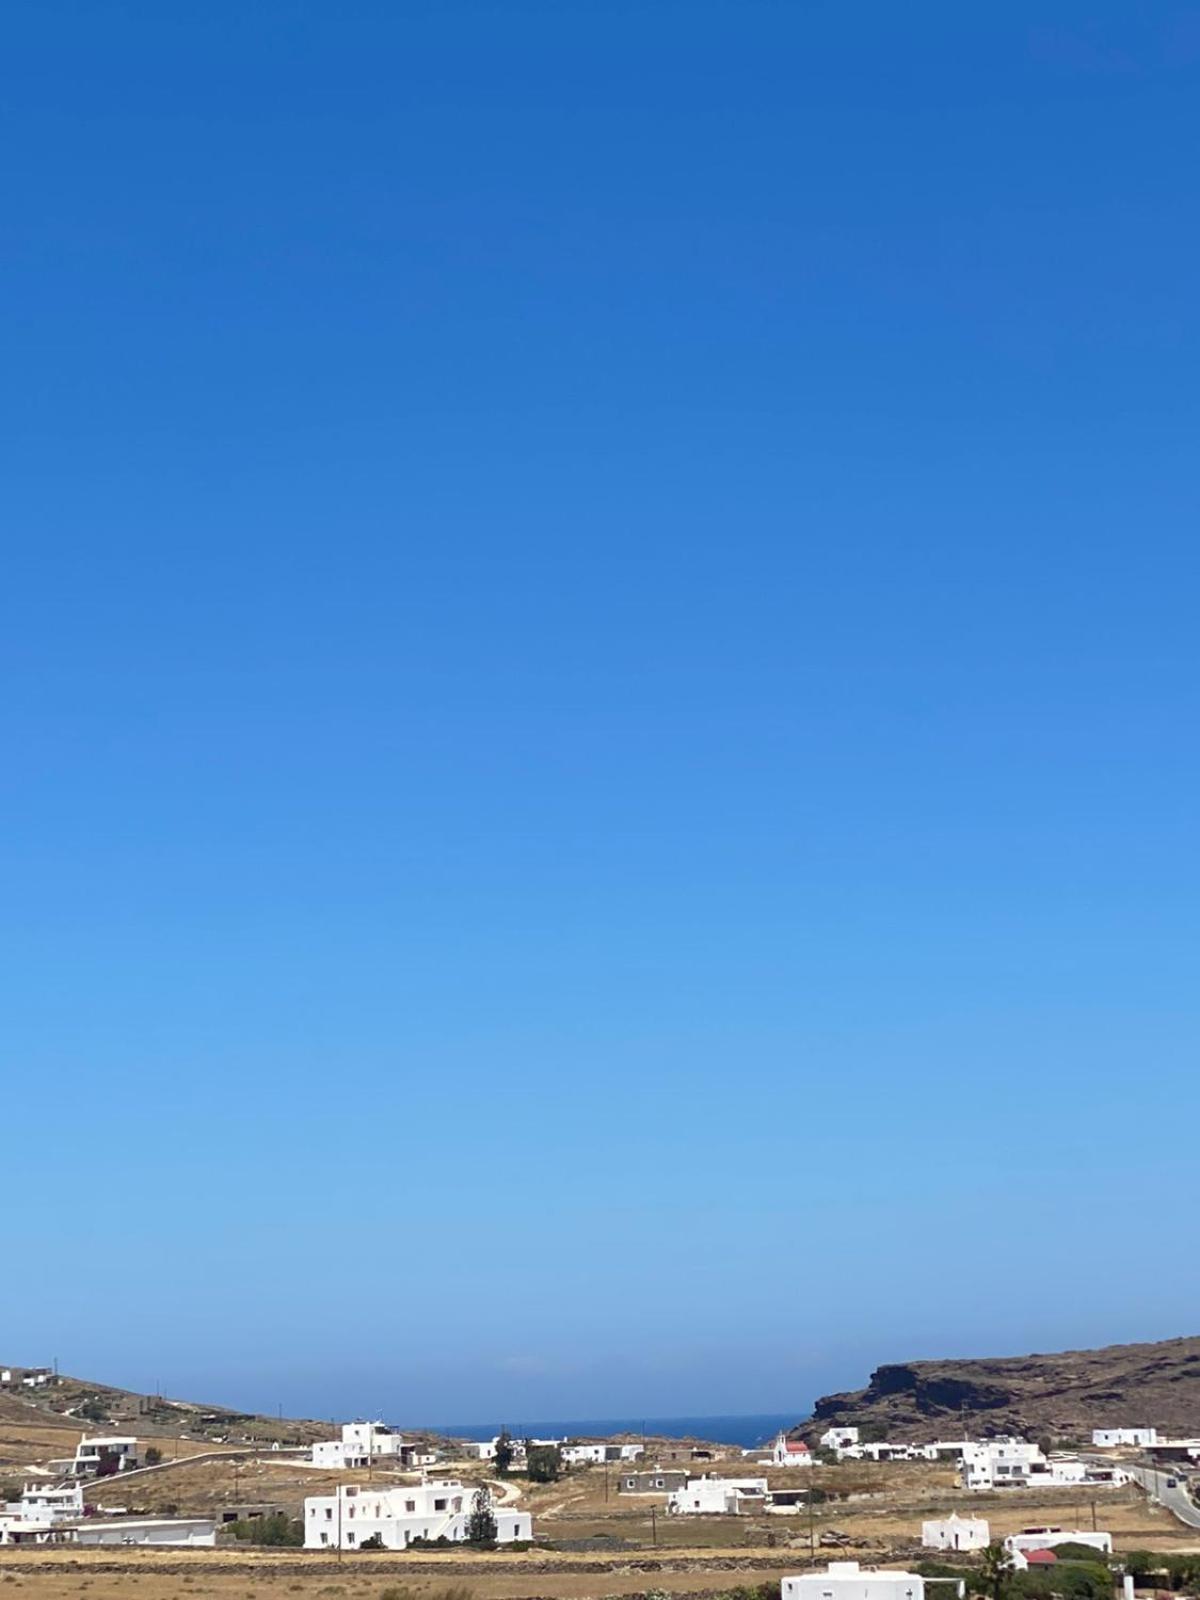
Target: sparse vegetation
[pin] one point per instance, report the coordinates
(277, 1529)
(543, 1463)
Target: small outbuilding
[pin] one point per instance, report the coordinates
(956, 1533)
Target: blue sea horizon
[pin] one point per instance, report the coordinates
(745, 1431)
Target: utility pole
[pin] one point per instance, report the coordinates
(653, 1528)
(812, 1532)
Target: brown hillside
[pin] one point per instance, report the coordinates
(1065, 1395)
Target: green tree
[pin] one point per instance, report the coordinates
(996, 1571)
(153, 1455)
(504, 1452)
(481, 1523)
(544, 1463)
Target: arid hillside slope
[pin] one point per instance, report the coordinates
(1064, 1395)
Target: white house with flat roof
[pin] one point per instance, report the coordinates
(1000, 1463)
(1114, 1438)
(718, 1496)
(1048, 1538)
(846, 1580)
(956, 1533)
(838, 1438)
(52, 1502)
(361, 1445)
(104, 1453)
(585, 1452)
(437, 1509)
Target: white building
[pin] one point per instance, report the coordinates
(846, 1580)
(104, 1453)
(58, 1502)
(24, 1530)
(1111, 1438)
(176, 1532)
(787, 1452)
(438, 1509)
(1064, 1471)
(585, 1452)
(956, 1533)
(999, 1463)
(485, 1449)
(361, 1445)
(1048, 1538)
(838, 1438)
(718, 1496)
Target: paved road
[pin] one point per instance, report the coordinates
(1155, 1481)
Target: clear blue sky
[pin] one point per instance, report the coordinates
(600, 689)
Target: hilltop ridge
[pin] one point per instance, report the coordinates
(1065, 1394)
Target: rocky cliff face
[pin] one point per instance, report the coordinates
(1065, 1395)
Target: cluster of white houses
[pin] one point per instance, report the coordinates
(983, 1464)
(574, 1452)
(846, 1580)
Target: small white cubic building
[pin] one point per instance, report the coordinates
(846, 1580)
(956, 1533)
(438, 1509)
(718, 1497)
(1111, 1438)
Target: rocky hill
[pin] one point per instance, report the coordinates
(1064, 1395)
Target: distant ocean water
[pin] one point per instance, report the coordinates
(744, 1431)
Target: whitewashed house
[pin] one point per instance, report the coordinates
(438, 1509)
(361, 1445)
(1000, 1463)
(787, 1452)
(55, 1502)
(1113, 1438)
(956, 1533)
(582, 1452)
(846, 1580)
(718, 1496)
(104, 1453)
(1048, 1538)
(838, 1438)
